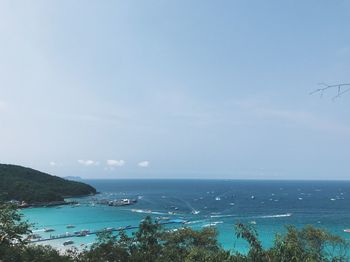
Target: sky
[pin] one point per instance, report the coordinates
(175, 89)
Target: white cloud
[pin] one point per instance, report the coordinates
(52, 163)
(143, 164)
(115, 163)
(88, 162)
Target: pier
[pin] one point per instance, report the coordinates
(84, 233)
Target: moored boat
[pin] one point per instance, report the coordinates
(69, 242)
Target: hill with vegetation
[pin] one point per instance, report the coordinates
(32, 186)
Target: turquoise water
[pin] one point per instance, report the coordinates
(218, 203)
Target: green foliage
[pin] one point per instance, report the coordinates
(190, 244)
(309, 244)
(12, 230)
(151, 243)
(42, 254)
(249, 233)
(25, 184)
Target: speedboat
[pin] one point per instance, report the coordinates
(49, 230)
(162, 218)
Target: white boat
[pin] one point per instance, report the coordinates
(162, 218)
(217, 198)
(49, 230)
(195, 212)
(122, 202)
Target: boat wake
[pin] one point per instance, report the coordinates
(276, 216)
(194, 222)
(218, 216)
(213, 224)
(147, 211)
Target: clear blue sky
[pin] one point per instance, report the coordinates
(175, 89)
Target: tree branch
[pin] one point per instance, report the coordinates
(342, 88)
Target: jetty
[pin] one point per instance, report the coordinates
(84, 233)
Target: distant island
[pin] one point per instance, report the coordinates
(30, 187)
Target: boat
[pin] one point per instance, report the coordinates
(195, 212)
(70, 226)
(252, 197)
(162, 218)
(82, 233)
(346, 230)
(49, 230)
(69, 242)
(122, 202)
(217, 198)
(34, 236)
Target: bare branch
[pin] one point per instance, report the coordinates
(341, 89)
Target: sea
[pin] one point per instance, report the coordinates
(267, 205)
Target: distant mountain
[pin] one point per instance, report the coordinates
(73, 178)
(32, 186)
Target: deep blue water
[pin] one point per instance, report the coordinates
(220, 203)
